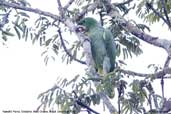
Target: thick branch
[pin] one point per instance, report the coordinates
(37, 11)
(163, 43)
(107, 102)
(157, 74)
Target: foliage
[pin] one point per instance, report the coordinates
(145, 10)
(84, 91)
(68, 101)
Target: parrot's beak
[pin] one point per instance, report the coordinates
(80, 28)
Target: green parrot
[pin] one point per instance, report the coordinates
(103, 46)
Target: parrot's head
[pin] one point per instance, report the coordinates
(88, 23)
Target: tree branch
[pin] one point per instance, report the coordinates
(68, 4)
(166, 14)
(149, 5)
(163, 43)
(108, 103)
(123, 3)
(87, 107)
(167, 62)
(157, 75)
(91, 7)
(37, 11)
(60, 8)
(66, 50)
(59, 5)
(166, 65)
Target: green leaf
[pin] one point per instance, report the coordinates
(48, 42)
(7, 33)
(143, 27)
(4, 38)
(18, 33)
(24, 14)
(26, 34)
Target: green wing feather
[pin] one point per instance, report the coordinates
(111, 48)
(98, 47)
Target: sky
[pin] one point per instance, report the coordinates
(23, 74)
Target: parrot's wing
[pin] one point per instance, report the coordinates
(110, 48)
(106, 65)
(98, 48)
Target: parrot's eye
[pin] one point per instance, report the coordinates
(82, 22)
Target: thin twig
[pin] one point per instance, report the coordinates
(167, 62)
(59, 4)
(162, 86)
(87, 107)
(66, 50)
(68, 4)
(60, 8)
(76, 98)
(162, 77)
(119, 98)
(156, 12)
(123, 3)
(149, 101)
(166, 14)
(91, 7)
